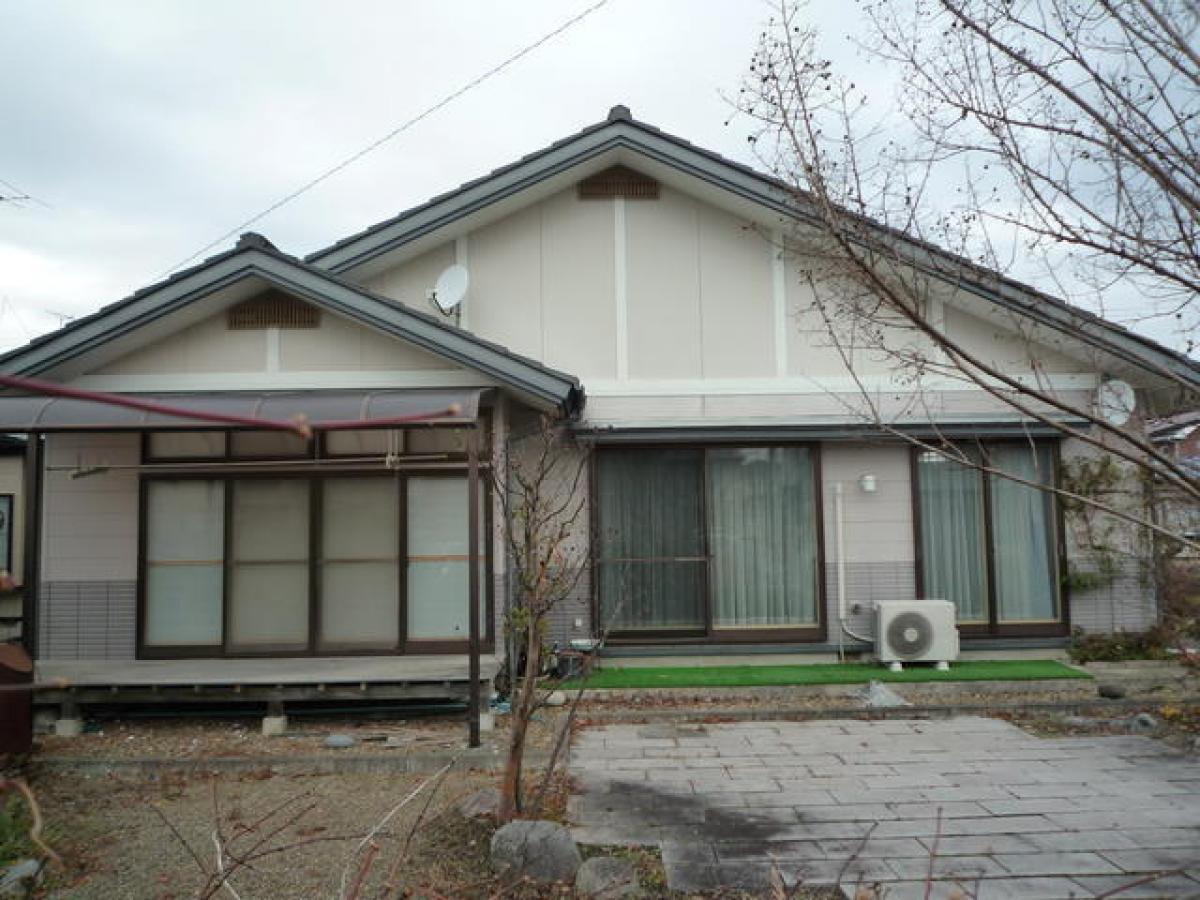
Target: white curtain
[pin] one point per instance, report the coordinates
(952, 535)
(1023, 534)
(359, 564)
(651, 563)
(762, 533)
(184, 562)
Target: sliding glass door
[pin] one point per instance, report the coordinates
(300, 565)
(268, 566)
(762, 537)
(715, 542)
(988, 540)
(184, 565)
(360, 564)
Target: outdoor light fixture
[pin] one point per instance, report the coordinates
(867, 483)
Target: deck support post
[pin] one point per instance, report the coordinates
(70, 721)
(473, 699)
(275, 722)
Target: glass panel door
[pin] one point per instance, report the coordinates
(268, 579)
(436, 581)
(184, 563)
(952, 535)
(652, 559)
(1023, 544)
(359, 564)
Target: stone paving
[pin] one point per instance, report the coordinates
(850, 803)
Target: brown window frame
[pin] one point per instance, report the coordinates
(403, 646)
(994, 627)
(9, 544)
(707, 634)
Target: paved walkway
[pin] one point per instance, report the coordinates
(1021, 816)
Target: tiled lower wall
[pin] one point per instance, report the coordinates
(98, 619)
(87, 619)
(1126, 603)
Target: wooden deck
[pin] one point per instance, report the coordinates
(432, 677)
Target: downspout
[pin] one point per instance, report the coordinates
(839, 519)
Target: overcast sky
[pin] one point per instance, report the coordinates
(146, 130)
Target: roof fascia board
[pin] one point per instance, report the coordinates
(314, 285)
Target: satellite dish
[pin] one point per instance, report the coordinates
(1115, 401)
(451, 288)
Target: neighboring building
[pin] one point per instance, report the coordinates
(1178, 436)
(619, 277)
(12, 533)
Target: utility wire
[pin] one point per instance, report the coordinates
(398, 130)
(20, 194)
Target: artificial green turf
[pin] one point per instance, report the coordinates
(827, 673)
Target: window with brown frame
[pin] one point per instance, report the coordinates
(307, 565)
(988, 542)
(720, 542)
(6, 532)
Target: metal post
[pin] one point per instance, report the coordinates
(473, 584)
(32, 487)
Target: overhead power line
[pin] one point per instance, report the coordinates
(395, 132)
(19, 194)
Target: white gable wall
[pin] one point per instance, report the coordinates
(677, 310)
(339, 353)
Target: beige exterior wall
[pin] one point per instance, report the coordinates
(89, 524)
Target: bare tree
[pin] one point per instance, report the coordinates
(1064, 130)
(540, 485)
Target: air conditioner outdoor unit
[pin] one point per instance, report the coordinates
(916, 631)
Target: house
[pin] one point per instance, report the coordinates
(621, 278)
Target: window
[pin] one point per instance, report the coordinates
(988, 542)
(302, 565)
(714, 542)
(6, 532)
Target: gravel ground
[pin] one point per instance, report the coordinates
(212, 738)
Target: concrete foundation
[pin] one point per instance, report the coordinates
(68, 727)
(274, 726)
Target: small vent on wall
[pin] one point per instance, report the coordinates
(618, 181)
(273, 309)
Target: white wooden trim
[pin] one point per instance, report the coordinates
(462, 256)
(695, 387)
(234, 381)
(621, 281)
(273, 349)
(779, 289)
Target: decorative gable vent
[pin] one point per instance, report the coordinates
(618, 181)
(273, 309)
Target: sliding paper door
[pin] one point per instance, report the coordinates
(268, 563)
(360, 564)
(762, 534)
(184, 563)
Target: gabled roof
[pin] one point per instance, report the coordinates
(621, 131)
(255, 257)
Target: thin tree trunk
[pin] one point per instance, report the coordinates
(522, 712)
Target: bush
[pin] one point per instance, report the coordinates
(1122, 645)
